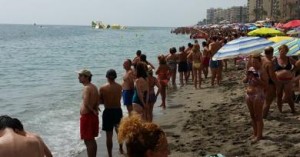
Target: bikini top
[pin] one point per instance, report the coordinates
(255, 73)
(278, 67)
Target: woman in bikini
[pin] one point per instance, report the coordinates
(152, 95)
(283, 71)
(141, 91)
(163, 73)
(256, 78)
(196, 57)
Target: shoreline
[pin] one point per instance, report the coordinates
(216, 120)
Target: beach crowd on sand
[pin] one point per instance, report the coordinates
(264, 77)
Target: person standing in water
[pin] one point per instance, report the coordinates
(89, 120)
(110, 96)
(128, 85)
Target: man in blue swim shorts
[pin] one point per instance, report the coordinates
(128, 85)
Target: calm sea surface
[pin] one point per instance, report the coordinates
(37, 69)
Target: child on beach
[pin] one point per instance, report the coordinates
(256, 78)
(163, 73)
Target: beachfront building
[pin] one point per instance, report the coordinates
(236, 14)
(290, 9)
(273, 9)
(210, 15)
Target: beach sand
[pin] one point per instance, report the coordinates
(216, 120)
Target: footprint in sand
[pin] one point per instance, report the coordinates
(176, 136)
(168, 126)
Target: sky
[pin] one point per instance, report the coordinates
(164, 13)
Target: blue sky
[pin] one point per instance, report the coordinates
(124, 12)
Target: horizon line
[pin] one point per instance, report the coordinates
(77, 25)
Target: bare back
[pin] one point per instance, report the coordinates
(214, 47)
(110, 95)
(14, 145)
(90, 101)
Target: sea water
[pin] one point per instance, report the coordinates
(38, 82)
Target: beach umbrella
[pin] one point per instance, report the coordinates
(293, 45)
(252, 27)
(279, 38)
(294, 31)
(292, 24)
(265, 32)
(242, 46)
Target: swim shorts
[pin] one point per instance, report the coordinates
(127, 97)
(111, 118)
(89, 126)
(214, 64)
(182, 66)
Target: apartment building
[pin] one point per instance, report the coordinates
(273, 9)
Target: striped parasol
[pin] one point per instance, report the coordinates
(243, 46)
(293, 45)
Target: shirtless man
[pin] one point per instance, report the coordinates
(190, 62)
(110, 96)
(205, 59)
(89, 120)
(268, 66)
(19, 129)
(137, 57)
(128, 85)
(182, 65)
(172, 63)
(215, 66)
(15, 145)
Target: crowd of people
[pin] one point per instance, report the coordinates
(266, 77)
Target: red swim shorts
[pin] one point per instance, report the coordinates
(89, 126)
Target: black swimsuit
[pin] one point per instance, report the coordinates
(278, 67)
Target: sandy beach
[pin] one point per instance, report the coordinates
(216, 120)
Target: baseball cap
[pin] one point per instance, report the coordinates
(84, 72)
(111, 74)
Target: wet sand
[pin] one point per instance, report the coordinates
(216, 120)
